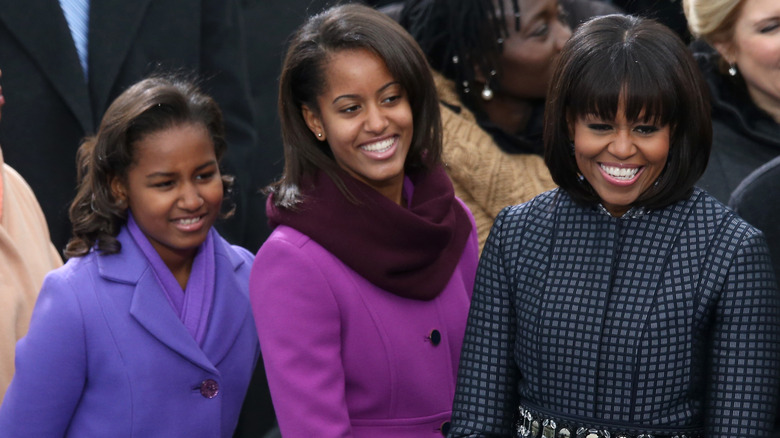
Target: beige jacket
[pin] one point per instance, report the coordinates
(486, 178)
(26, 255)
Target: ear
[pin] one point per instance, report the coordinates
(726, 50)
(314, 122)
(118, 190)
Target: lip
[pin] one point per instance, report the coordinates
(189, 226)
(621, 182)
(383, 154)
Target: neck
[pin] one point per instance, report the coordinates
(179, 263)
(508, 113)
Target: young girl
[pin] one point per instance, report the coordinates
(146, 331)
(362, 290)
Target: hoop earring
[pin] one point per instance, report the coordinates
(732, 69)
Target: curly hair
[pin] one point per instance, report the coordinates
(151, 105)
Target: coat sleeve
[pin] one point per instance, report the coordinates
(50, 366)
(745, 352)
(485, 398)
(299, 327)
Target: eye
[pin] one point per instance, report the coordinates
(599, 127)
(541, 30)
(163, 184)
(350, 109)
(206, 176)
(646, 129)
(391, 99)
(769, 27)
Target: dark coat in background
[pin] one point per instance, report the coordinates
(50, 107)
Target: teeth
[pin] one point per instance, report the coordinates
(379, 146)
(188, 221)
(620, 172)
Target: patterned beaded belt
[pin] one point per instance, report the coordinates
(535, 425)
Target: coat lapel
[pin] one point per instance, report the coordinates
(41, 28)
(231, 307)
(149, 306)
(110, 39)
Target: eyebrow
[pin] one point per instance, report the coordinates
(353, 96)
(169, 174)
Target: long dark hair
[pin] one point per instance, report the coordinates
(349, 27)
(149, 106)
(647, 65)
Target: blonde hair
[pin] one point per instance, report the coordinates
(712, 20)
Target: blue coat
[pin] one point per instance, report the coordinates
(106, 355)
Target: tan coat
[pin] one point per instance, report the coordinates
(486, 178)
(26, 255)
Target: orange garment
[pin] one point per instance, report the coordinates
(26, 255)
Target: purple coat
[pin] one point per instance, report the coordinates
(106, 354)
(347, 359)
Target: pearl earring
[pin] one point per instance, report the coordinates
(732, 69)
(319, 134)
(487, 92)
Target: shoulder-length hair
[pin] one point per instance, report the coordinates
(646, 66)
(151, 105)
(349, 27)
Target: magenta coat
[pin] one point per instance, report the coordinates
(107, 356)
(347, 359)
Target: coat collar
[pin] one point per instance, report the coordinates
(151, 310)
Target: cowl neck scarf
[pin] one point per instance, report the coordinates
(192, 305)
(411, 252)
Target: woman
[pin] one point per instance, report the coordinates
(26, 255)
(743, 72)
(626, 303)
(146, 330)
(493, 61)
(361, 291)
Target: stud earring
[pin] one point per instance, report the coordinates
(732, 69)
(319, 134)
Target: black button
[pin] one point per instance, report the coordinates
(435, 337)
(445, 428)
(209, 388)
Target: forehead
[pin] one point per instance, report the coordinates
(354, 69)
(173, 144)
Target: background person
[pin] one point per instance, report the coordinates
(743, 72)
(626, 301)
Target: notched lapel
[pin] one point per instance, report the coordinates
(149, 306)
(231, 307)
(42, 30)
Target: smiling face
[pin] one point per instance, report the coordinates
(755, 49)
(174, 189)
(528, 54)
(620, 159)
(365, 116)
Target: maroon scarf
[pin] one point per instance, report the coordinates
(411, 252)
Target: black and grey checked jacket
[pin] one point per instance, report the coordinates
(661, 320)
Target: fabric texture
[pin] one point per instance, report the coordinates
(26, 255)
(106, 355)
(410, 252)
(666, 321)
(346, 358)
(744, 136)
(484, 177)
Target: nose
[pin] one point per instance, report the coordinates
(190, 198)
(622, 145)
(376, 120)
(562, 34)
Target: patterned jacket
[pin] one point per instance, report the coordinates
(658, 321)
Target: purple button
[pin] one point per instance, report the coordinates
(209, 388)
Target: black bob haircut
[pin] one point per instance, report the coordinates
(646, 66)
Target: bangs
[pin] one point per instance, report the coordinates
(647, 91)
